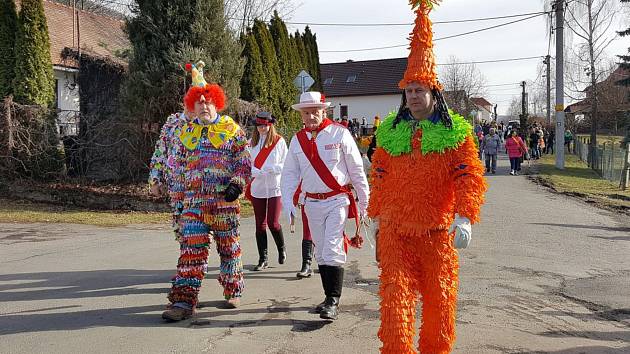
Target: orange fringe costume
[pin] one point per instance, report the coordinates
(422, 174)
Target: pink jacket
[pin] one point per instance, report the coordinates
(515, 146)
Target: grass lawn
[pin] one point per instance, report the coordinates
(604, 138)
(12, 211)
(578, 179)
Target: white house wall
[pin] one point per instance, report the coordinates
(365, 106)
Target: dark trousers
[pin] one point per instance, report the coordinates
(267, 212)
(515, 163)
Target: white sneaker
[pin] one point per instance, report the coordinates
(512, 172)
(515, 173)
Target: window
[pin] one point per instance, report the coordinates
(351, 78)
(343, 112)
(328, 81)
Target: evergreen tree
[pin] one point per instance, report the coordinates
(301, 50)
(165, 34)
(254, 80)
(625, 59)
(8, 27)
(310, 44)
(272, 68)
(34, 82)
(289, 68)
(274, 58)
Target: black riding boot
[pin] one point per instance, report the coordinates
(323, 271)
(334, 278)
(279, 239)
(307, 258)
(261, 242)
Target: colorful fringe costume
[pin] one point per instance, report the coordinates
(423, 172)
(196, 176)
(197, 162)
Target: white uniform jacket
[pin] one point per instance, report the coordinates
(266, 183)
(339, 152)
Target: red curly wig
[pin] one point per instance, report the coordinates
(212, 93)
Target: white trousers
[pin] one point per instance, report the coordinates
(327, 220)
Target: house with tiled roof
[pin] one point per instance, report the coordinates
(81, 31)
(483, 109)
(360, 89)
(369, 88)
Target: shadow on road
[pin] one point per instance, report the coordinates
(50, 286)
(81, 284)
(590, 227)
(583, 350)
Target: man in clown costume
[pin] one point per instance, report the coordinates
(201, 158)
(427, 189)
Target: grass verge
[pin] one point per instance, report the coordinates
(19, 211)
(578, 180)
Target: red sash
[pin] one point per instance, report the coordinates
(259, 161)
(310, 150)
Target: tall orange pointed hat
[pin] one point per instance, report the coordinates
(421, 66)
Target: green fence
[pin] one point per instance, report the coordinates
(609, 157)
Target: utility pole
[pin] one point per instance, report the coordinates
(559, 7)
(548, 62)
(523, 107)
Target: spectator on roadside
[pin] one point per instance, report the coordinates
(515, 149)
(377, 122)
(480, 139)
(568, 138)
(490, 147)
(355, 128)
(344, 122)
(363, 126)
(534, 138)
(551, 140)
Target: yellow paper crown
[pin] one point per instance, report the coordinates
(197, 73)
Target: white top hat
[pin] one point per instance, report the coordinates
(311, 99)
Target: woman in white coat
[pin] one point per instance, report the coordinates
(268, 152)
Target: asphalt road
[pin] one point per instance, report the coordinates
(544, 274)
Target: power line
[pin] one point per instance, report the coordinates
(436, 39)
(410, 24)
(489, 28)
(493, 61)
(510, 84)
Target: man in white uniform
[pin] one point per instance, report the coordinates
(326, 159)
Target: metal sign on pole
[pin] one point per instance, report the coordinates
(303, 81)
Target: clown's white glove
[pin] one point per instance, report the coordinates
(463, 231)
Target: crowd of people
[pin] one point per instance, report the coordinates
(359, 129)
(520, 144)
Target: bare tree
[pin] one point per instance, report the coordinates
(515, 107)
(538, 90)
(456, 76)
(113, 8)
(242, 13)
(589, 22)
